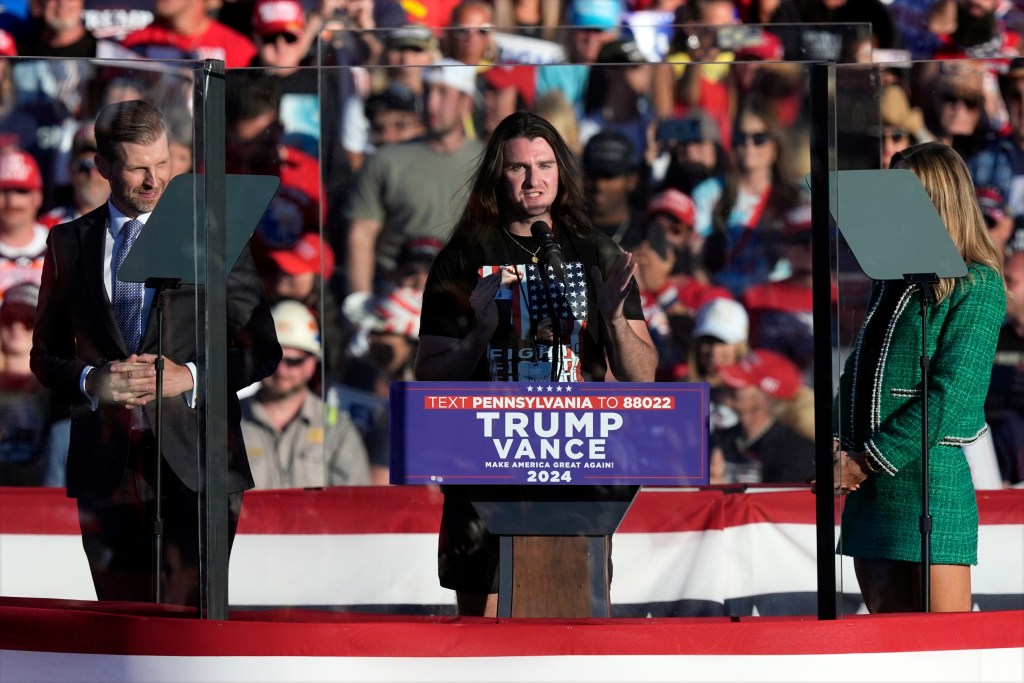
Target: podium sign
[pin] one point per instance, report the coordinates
(555, 434)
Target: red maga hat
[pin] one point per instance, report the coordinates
(675, 203)
(771, 372)
(19, 171)
(520, 76)
(278, 16)
(308, 255)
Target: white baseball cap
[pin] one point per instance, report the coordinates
(296, 327)
(452, 73)
(723, 319)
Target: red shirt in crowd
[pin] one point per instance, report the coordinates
(156, 41)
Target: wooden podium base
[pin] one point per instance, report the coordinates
(556, 577)
(555, 547)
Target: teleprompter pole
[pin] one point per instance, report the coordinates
(160, 285)
(822, 142)
(212, 242)
(925, 282)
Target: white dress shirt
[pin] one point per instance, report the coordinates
(111, 242)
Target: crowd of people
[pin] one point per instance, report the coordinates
(691, 132)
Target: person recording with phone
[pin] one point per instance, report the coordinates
(496, 308)
(691, 151)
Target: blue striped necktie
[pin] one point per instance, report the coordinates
(128, 295)
(127, 300)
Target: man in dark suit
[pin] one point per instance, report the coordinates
(95, 343)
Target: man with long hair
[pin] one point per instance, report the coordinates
(494, 311)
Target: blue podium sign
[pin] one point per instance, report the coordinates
(509, 433)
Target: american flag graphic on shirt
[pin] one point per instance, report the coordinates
(529, 297)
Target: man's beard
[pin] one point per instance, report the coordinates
(270, 392)
(137, 203)
(91, 194)
(971, 31)
(61, 25)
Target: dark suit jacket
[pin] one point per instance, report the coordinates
(76, 327)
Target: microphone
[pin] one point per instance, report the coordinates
(541, 232)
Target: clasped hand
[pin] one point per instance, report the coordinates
(848, 471)
(131, 382)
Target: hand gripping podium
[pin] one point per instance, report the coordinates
(551, 468)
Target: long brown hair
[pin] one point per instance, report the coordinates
(948, 183)
(783, 195)
(488, 200)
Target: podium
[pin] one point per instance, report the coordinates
(555, 547)
(551, 469)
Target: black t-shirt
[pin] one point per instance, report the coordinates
(629, 233)
(83, 48)
(521, 348)
(778, 456)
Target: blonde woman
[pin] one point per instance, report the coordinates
(553, 106)
(878, 420)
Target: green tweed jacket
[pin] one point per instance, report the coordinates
(878, 410)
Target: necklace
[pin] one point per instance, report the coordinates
(533, 254)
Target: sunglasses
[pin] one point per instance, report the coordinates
(295, 361)
(289, 38)
(896, 135)
(969, 102)
(465, 31)
(741, 138)
(26, 317)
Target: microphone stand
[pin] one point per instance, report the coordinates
(925, 281)
(161, 285)
(556, 322)
(541, 231)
